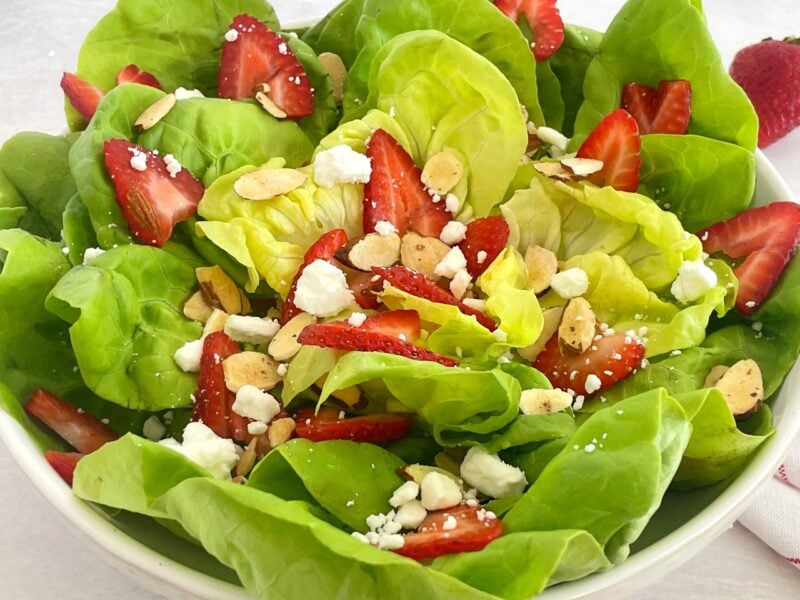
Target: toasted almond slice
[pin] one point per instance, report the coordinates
(215, 322)
(714, 375)
(239, 480)
(442, 172)
(542, 265)
(334, 65)
(220, 291)
(350, 395)
(285, 345)
(250, 368)
(448, 463)
(263, 184)
(280, 431)
(268, 105)
(155, 112)
(524, 111)
(248, 459)
(551, 317)
(422, 254)
(554, 170)
(417, 472)
(542, 402)
(371, 250)
(577, 328)
(582, 167)
(742, 387)
(196, 308)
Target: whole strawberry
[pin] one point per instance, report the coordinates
(769, 73)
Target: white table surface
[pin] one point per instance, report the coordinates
(39, 557)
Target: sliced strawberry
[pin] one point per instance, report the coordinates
(768, 237)
(373, 429)
(395, 192)
(153, 200)
(665, 110)
(64, 463)
(83, 96)
(365, 290)
(323, 249)
(475, 528)
(484, 239)
(418, 285)
(616, 142)
(544, 21)
(79, 429)
(133, 74)
(610, 358)
(343, 336)
(395, 323)
(259, 56)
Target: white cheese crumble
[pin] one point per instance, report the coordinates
(490, 475)
(450, 523)
(481, 256)
(341, 164)
(187, 357)
(90, 254)
(557, 140)
(460, 283)
(254, 330)
(182, 93)
(453, 262)
(452, 203)
(255, 404)
(322, 290)
(215, 454)
(385, 228)
(153, 429)
(453, 232)
(173, 166)
(592, 383)
(357, 319)
(404, 494)
(283, 48)
(439, 491)
(694, 279)
(570, 283)
(411, 514)
(138, 159)
(231, 35)
(475, 303)
(257, 428)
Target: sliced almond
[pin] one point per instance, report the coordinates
(250, 368)
(742, 387)
(334, 65)
(215, 322)
(196, 308)
(239, 480)
(285, 345)
(582, 167)
(220, 291)
(248, 458)
(349, 395)
(268, 105)
(714, 375)
(263, 184)
(448, 463)
(577, 328)
(280, 431)
(417, 473)
(553, 170)
(442, 172)
(371, 250)
(155, 112)
(542, 402)
(422, 254)
(542, 264)
(551, 318)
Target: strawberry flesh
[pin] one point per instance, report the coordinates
(83, 96)
(323, 249)
(79, 429)
(152, 201)
(395, 192)
(418, 285)
(487, 235)
(395, 323)
(64, 463)
(133, 74)
(617, 143)
(475, 528)
(611, 359)
(326, 424)
(259, 56)
(667, 109)
(543, 19)
(767, 236)
(365, 290)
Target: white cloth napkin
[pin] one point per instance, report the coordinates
(774, 514)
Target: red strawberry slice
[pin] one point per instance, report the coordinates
(418, 285)
(543, 19)
(365, 290)
(343, 336)
(83, 96)
(395, 323)
(378, 428)
(64, 463)
(153, 200)
(259, 56)
(79, 429)
(213, 400)
(769, 73)
(323, 249)
(395, 192)
(475, 528)
(610, 358)
(665, 110)
(133, 74)
(616, 142)
(767, 236)
(485, 239)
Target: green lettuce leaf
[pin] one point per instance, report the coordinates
(335, 31)
(305, 368)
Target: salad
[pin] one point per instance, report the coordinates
(432, 299)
